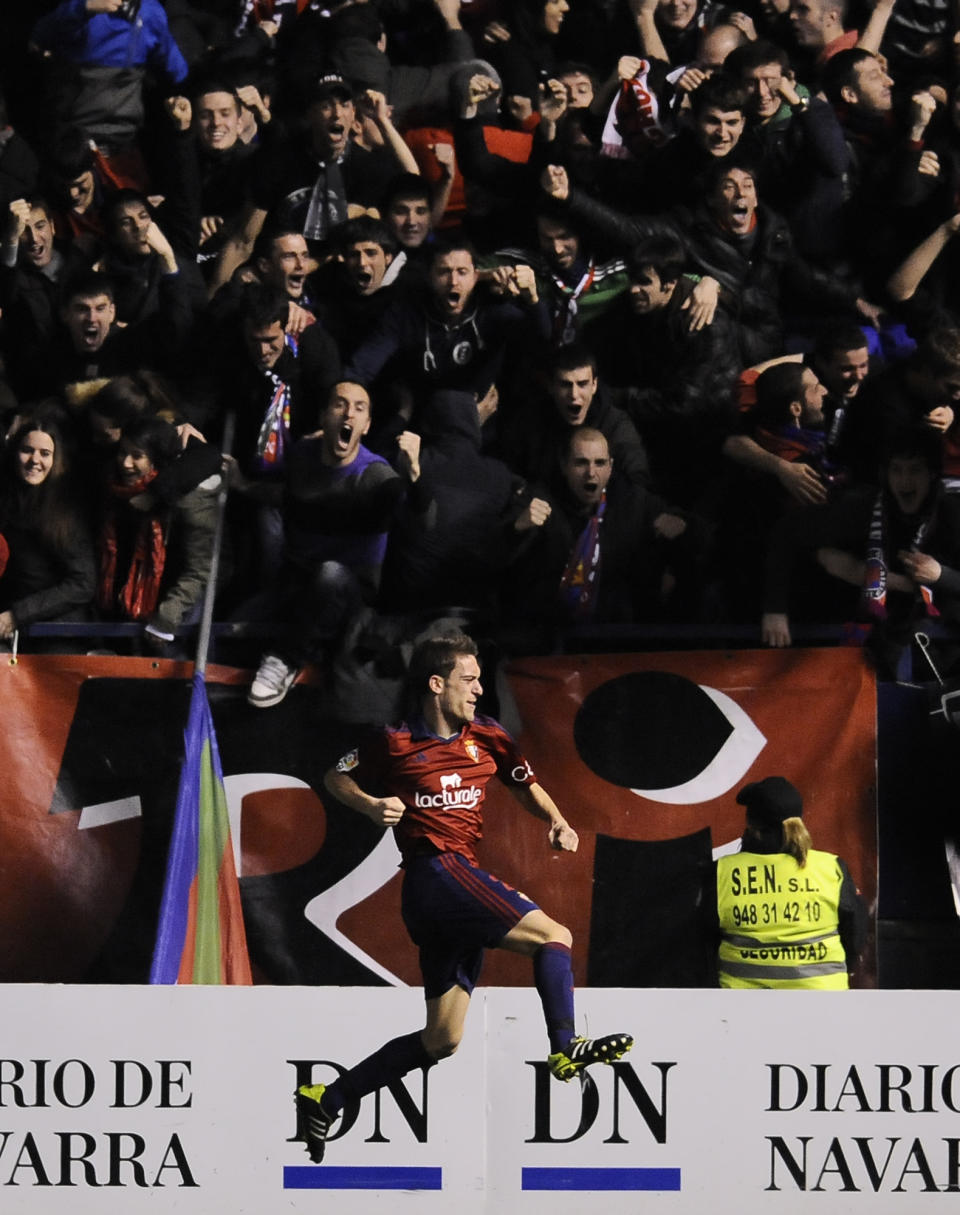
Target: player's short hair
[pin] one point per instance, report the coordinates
(437, 656)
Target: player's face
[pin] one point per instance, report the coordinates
(345, 421)
(461, 690)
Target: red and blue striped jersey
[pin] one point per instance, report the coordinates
(441, 781)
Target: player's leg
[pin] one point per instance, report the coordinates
(319, 1105)
(445, 1017)
(450, 970)
(548, 943)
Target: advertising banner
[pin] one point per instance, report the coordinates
(180, 1100)
(643, 753)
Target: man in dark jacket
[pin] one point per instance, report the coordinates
(677, 381)
(536, 437)
(458, 557)
(33, 267)
(747, 249)
(894, 551)
(454, 335)
(595, 549)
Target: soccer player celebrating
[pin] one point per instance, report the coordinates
(437, 766)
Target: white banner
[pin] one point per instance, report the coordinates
(781, 1102)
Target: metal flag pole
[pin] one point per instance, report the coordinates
(210, 591)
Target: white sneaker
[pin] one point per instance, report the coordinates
(272, 682)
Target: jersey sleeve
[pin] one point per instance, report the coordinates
(513, 767)
(366, 763)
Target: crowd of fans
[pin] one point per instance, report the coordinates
(557, 311)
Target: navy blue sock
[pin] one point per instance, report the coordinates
(553, 976)
(393, 1060)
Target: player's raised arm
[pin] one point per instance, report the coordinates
(538, 802)
(384, 811)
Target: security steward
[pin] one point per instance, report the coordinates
(790, 916)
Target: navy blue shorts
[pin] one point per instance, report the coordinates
(453, 911)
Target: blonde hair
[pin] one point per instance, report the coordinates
(796, 839)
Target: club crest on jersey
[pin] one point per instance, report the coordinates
(472, 751)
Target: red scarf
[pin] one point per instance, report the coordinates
(137, 596)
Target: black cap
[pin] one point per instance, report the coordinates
(330, 85)
(771, 800)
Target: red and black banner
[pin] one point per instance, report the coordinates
(643, 753)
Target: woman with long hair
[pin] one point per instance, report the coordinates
(50, 572)
(790, 916)
(154, 554)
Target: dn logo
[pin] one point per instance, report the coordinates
(625, 1082)
(413, 1115)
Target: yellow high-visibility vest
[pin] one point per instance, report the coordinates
(779, 922)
